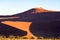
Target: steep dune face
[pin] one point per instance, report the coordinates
(36, 22)
(46, 29)
(7, 30)
(33, 11)
(20, 25)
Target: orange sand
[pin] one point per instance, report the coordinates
(41, 10)
(21, 25)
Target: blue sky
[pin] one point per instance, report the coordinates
(10, 7)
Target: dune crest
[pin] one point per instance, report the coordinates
(39, 10)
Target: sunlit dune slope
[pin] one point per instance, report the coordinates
(7, 30)
(20, 25)
(40, 10)
(34, 15)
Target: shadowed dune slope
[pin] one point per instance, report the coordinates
(49, 29)
(7, 30)
(44, 22)
(20, 25)
(28, 15)
(33, 11)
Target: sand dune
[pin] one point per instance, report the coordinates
(40, 10)
(33, 16)
(21, 25)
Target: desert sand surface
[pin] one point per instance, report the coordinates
(21, 25)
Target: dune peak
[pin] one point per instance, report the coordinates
(40, 9)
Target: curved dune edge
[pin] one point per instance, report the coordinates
(21, 25)
(40, 10)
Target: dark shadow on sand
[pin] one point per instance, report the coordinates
(47, 29)
(7, 30)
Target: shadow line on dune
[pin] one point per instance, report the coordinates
(7, 30)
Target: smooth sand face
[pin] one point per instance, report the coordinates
(21, 25)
